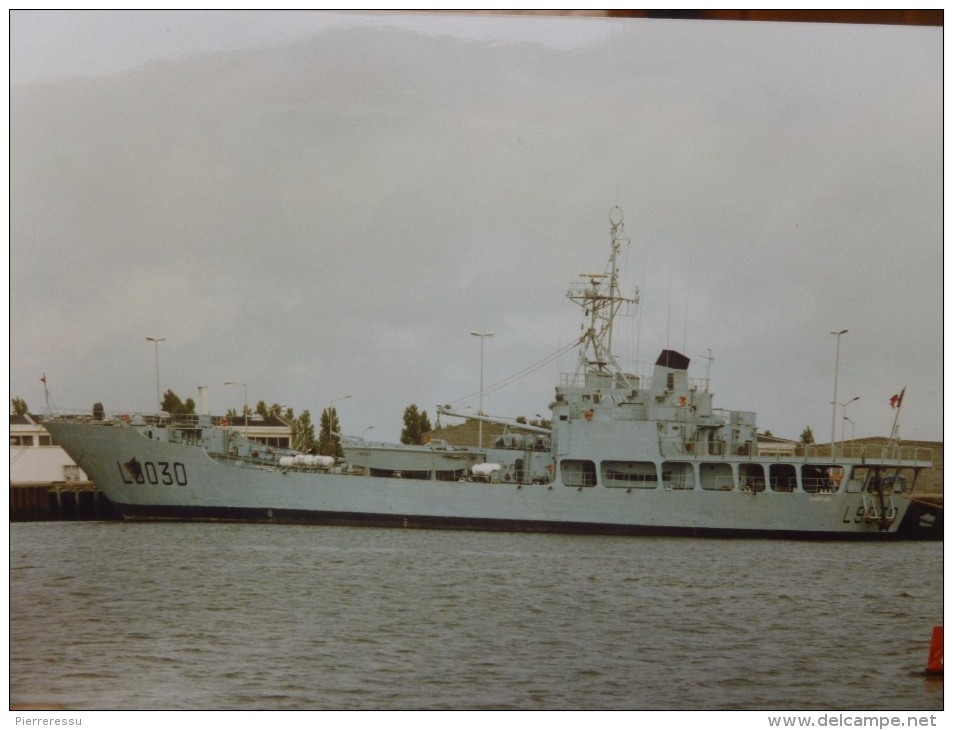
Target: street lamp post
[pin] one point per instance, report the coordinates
(838, 334)
(851, 427)
(845, 418)
(331, 405)
(482, 336)
(156, 341)
(245, 386)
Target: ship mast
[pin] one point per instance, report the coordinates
(601, 299)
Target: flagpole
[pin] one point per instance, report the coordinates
(896, 416)
(46, 395)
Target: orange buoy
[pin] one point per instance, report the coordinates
(935, 660)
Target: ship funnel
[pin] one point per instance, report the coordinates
(670, 374)
(672, 359)
(203, 400)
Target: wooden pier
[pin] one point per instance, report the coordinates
(59, 501)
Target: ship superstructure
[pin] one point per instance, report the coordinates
(624, 455)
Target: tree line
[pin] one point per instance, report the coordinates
(327, 442)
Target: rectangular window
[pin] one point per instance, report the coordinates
(752, 477)
(821, 478)
(678, 475)
(783, 478)
(716, 476)
(630, 474)
(578, 472)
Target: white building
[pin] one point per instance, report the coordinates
(269, 431)
(34, 459)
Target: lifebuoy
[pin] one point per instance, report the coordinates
(223, 422)
(682, 400)
(588, 414)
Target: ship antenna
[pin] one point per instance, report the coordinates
(601, 298)
(615, 219)
(710, 359)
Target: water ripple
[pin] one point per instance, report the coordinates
(113, 615)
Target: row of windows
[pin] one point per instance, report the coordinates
(715, 476)
(26, 440)
(274, 441)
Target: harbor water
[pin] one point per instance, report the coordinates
(112, 615)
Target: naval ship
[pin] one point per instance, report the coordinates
(624, 455)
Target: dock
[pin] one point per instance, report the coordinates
(44, 502)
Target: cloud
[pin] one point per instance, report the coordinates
(332, 215)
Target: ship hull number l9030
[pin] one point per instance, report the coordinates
(153, 472)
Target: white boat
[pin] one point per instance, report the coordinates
(624, 456)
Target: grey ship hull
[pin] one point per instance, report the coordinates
(624, 455)
(155, 480)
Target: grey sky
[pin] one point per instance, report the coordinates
(325, 204)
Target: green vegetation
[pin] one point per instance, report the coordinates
(302, 433)
(329, 440)
(416, 424)
(171, 403)
(274, 411)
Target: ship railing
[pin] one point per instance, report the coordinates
(65, 416)
(752, 484)
(783, 484)
(724, 484)
(180, 420)
(679, 482)
(880, 454)
(137, 418)
(890, 453)
(571, 380)
(819, 485)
